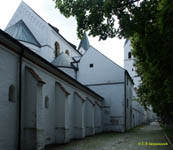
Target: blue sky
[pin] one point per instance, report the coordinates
(112, 48)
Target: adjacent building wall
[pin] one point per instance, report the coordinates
(49, 104)
(107, 79)
(8, 107)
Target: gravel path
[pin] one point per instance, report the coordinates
(139, 138)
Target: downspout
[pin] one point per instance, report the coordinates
(20, 100)
(125, 99)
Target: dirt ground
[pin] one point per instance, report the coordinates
(141, 138)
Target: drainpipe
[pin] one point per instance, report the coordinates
(125, 99)
(20, 100)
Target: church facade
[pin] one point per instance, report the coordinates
(52, 92)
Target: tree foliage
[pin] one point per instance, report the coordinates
(149, 26)
(153, 49)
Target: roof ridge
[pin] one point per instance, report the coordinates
(33, 10)
(108, 58)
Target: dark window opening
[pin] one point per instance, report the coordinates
(129, 55)
(11, 94)
(67, 52)
(46, 102)
(57, 49)
(91, 65)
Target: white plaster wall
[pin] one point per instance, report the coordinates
(8, 110)
(47, 53)
(53, 37)
(61, 116)
(31, 46)
(98, 119)
(129, 96)
(70, 71)
(49, 114)
(113, 97)
(140, 116)
(129, 64)
(103, 71)
(32, 114)
(78, 117)
(89, 118)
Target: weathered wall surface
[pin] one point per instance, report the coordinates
(8, 109)
(114, 97)
(103, 70)
(108, 79)
(129, 96)
(52, 112)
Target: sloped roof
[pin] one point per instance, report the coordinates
(62, 60)
(62, 88)
(84, 43)
(21, 49)
(126, 42)
(113, 63)
(21, 32)
(57, 31)
(35, 75)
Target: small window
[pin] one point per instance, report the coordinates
(132, 69)
(91, 65)
(57, 49)
(67, 52)
(11, 94)
(129, 55)
(46, 102)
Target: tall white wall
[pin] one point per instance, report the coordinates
(32, 120)
(8, 110)
(103, 70)
(40, 124)
(129, 97)
(129, 64)
(107, 79)
(89, 118)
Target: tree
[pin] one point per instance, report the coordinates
(149, 26)
(154, 53)
(98, 16)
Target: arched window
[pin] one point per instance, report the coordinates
(57, 49)
(11, 94)
(67, 52)
(46, 102)
(129, 55)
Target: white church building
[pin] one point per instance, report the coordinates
(52, 92)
